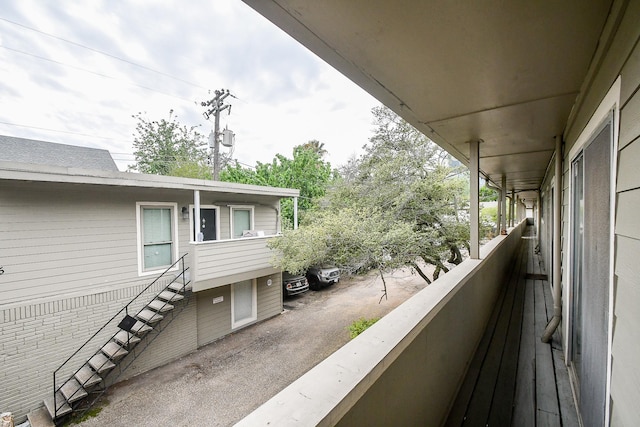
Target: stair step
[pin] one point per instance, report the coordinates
(126, 338)
(113, 350)
(40, 417)
(149, 316)
(140, 328)
(63, 408)
(176, 287)
(100, 363)
(87, 377)
(160, 306)
(170, 296)
(72, 390)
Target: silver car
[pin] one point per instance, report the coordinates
(319, 277)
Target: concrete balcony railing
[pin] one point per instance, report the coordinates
(221, 262)
(407, 368)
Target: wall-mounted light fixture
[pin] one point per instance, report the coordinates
(185, 213)
(269, 281)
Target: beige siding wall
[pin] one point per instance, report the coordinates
(59, 240)
(265, 219)
(621, 58)
(225, 230)
(217, 260)
(625, 380)
(214, 320)
(269, 296)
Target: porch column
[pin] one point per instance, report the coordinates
(512, 206)
(557, 247)
(503, 205)
(474, 206)
(196, 216)
(295, 213)
(538, 216)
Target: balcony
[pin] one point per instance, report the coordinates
(465, 350)
(220, 262)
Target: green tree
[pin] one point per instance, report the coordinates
(488, 194)
(317, 147)
(166, 147)
(400, 203)
(306, 171)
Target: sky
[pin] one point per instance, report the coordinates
(76, 72)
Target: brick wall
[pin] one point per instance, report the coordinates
(37, 337)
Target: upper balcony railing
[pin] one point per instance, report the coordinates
(408, 367)
(216, 262)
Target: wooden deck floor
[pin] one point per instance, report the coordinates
(515, 379)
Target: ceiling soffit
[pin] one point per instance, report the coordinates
(507, 73)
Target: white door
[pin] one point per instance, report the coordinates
(243, 303)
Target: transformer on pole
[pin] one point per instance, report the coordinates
(216, 106)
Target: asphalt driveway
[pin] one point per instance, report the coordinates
(224, 381)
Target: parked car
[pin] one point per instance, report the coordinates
(320, 276)
(293, 284)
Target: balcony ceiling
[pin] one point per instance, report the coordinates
(507, 73)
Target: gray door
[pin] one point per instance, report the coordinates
(591, 277)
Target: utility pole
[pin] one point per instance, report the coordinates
(216, 106)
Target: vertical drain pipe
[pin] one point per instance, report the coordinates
(557, 256)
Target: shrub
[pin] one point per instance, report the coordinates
(360, 325)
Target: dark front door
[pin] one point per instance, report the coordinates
(207, 224)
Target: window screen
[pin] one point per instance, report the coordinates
(241, 221)
(157, 237)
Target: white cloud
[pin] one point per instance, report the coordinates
(286, 96)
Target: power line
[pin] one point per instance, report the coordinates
(93, 72)
(60, 131)
(103, 53)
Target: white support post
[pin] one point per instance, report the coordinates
(538, 217)
(295, 213)
(512, 206)
(503, 206)
(474, 208)
(196, 216)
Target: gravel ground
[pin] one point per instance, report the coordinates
(221, 383)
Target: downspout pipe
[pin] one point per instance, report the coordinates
(557, 256)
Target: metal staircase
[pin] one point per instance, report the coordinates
(87, 374)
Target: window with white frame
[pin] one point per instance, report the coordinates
(157, 236)
(241, 218)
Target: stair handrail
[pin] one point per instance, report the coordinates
(126, 312)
